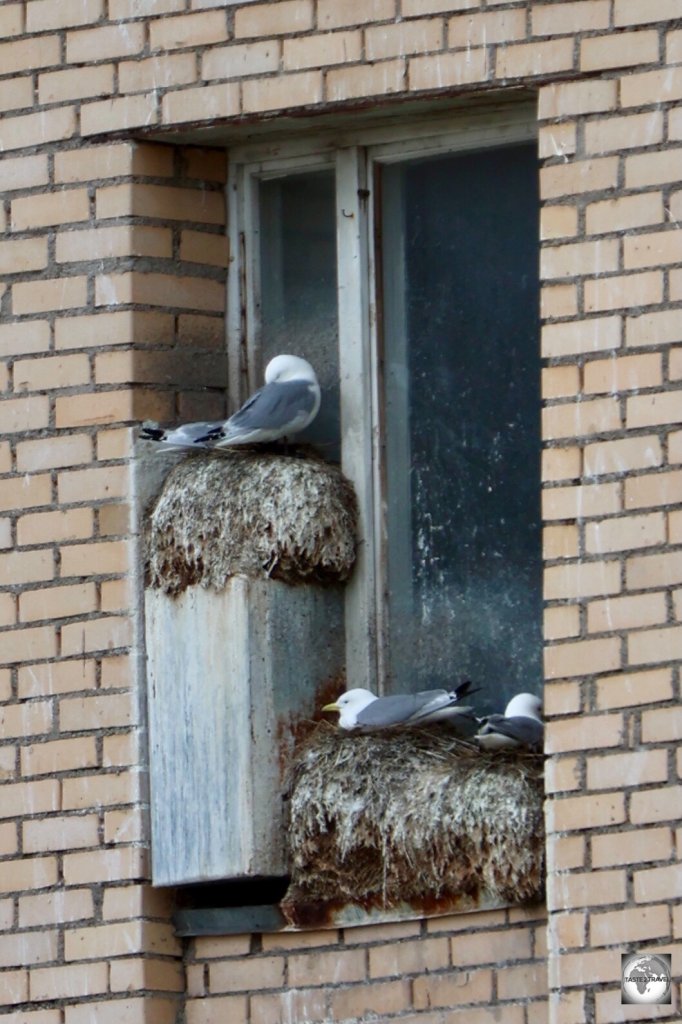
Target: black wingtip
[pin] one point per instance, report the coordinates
(152, 434)
(465, 689)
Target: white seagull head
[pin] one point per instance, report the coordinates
(524, 705)
(349, 705)
(284, 368)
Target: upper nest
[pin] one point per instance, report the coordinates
(256, 514)
(411, 817)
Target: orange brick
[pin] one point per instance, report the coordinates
(615, 134)
(114, 160)
(594, 335)
(650, 410)
(565, 852)
(560, 381)
(27, 948)
(626, 612)
(42, 15)
(562, 698)
(625, 533)
(68, 982)
(114, 444)
(387, 997)
(661, 725)
(675, 280)
(57, 602)
(557, 140)
(675, 446)
(25, 644)
(120, 328)
(134, 111)
(622, 455)
(76, 84)
(539, 58)
(636, 768)
(563, 775)
(43, 527)
(103, 634)
(632, 847)
(60, 832)
(651, 87)
(587, 889)
(653, 328)
(55, 677)
(23, 720)
(296, 1004)
(158, 975)
(569, 930)
(157, 72)
(28, 55)
(26, 492)
(105, 243)
(656, 884)
(558, 222)
(22, 414)
(635, 925)
(399, 959)
(605, 293)
(548, 20)
(28, 873)
(601, 967)
(334, 967)
(22, 338)
(134, 1010)
(114, 520)
(489, 947)
(239, 59)
(653, 805)
(201, 103)
(23, 255)
(460, 68)
(94, 408)
(622, 373)
(582, 579)
(199, 247)
(321, 50)
(22, 172)
(224, 1008)
(62, 207)
(483, 28)
(11, 20)
(16, 94)
(26, 566)
(655, 645)
(585, 812)
(36, 129)
(582, 658)
(581, 258)
(292, 941)
(93, 713)
(436, 990)
(646, 571)
(591, 731)
(623, 213)
(57, 293)
(656, 10)
(156, 289)
(406, 37)
(574, 419)
(618, 50)
(58, 756)
(301, 88)
(54, 452)
(263, 972)
(104, 43)
(578, 177)
(644, 169)
(653, 249)
(654, 489)
(561, 463)
(15, 987)
(97, 484)
(50, 373)
(580, 502)
(289, 17)
(558, 300)
(172, 33)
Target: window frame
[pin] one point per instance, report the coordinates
(357, 156)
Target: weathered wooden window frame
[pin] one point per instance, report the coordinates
(355, 156)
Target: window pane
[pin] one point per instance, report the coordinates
(462, 407)
(298, 287)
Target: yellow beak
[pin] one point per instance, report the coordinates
(331, 707)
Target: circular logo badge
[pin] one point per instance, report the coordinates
(646, 978)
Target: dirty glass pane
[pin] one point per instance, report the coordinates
(462, 405)
(298, 287)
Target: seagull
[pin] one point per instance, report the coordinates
(288, 402)
(361, 709)
(519, 726)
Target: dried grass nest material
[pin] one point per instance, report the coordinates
(411, 816)
(260, 514)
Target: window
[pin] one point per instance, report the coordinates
(403, 264)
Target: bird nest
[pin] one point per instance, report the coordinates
(259, 514)
(411, 817)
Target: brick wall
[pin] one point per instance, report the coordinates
(111, 301)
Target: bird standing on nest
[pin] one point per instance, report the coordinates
(287, 404)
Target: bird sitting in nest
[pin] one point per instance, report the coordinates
(362, 710)
(519, 726)
(287, 404)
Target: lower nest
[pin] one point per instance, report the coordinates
(412, 817)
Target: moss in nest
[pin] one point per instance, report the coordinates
(412, 816)
(252, 513)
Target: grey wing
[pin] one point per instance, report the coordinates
(273, 407)
(387, 711)
(526, 731)
(189, 435)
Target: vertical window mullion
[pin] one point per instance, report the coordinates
(357, 375)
